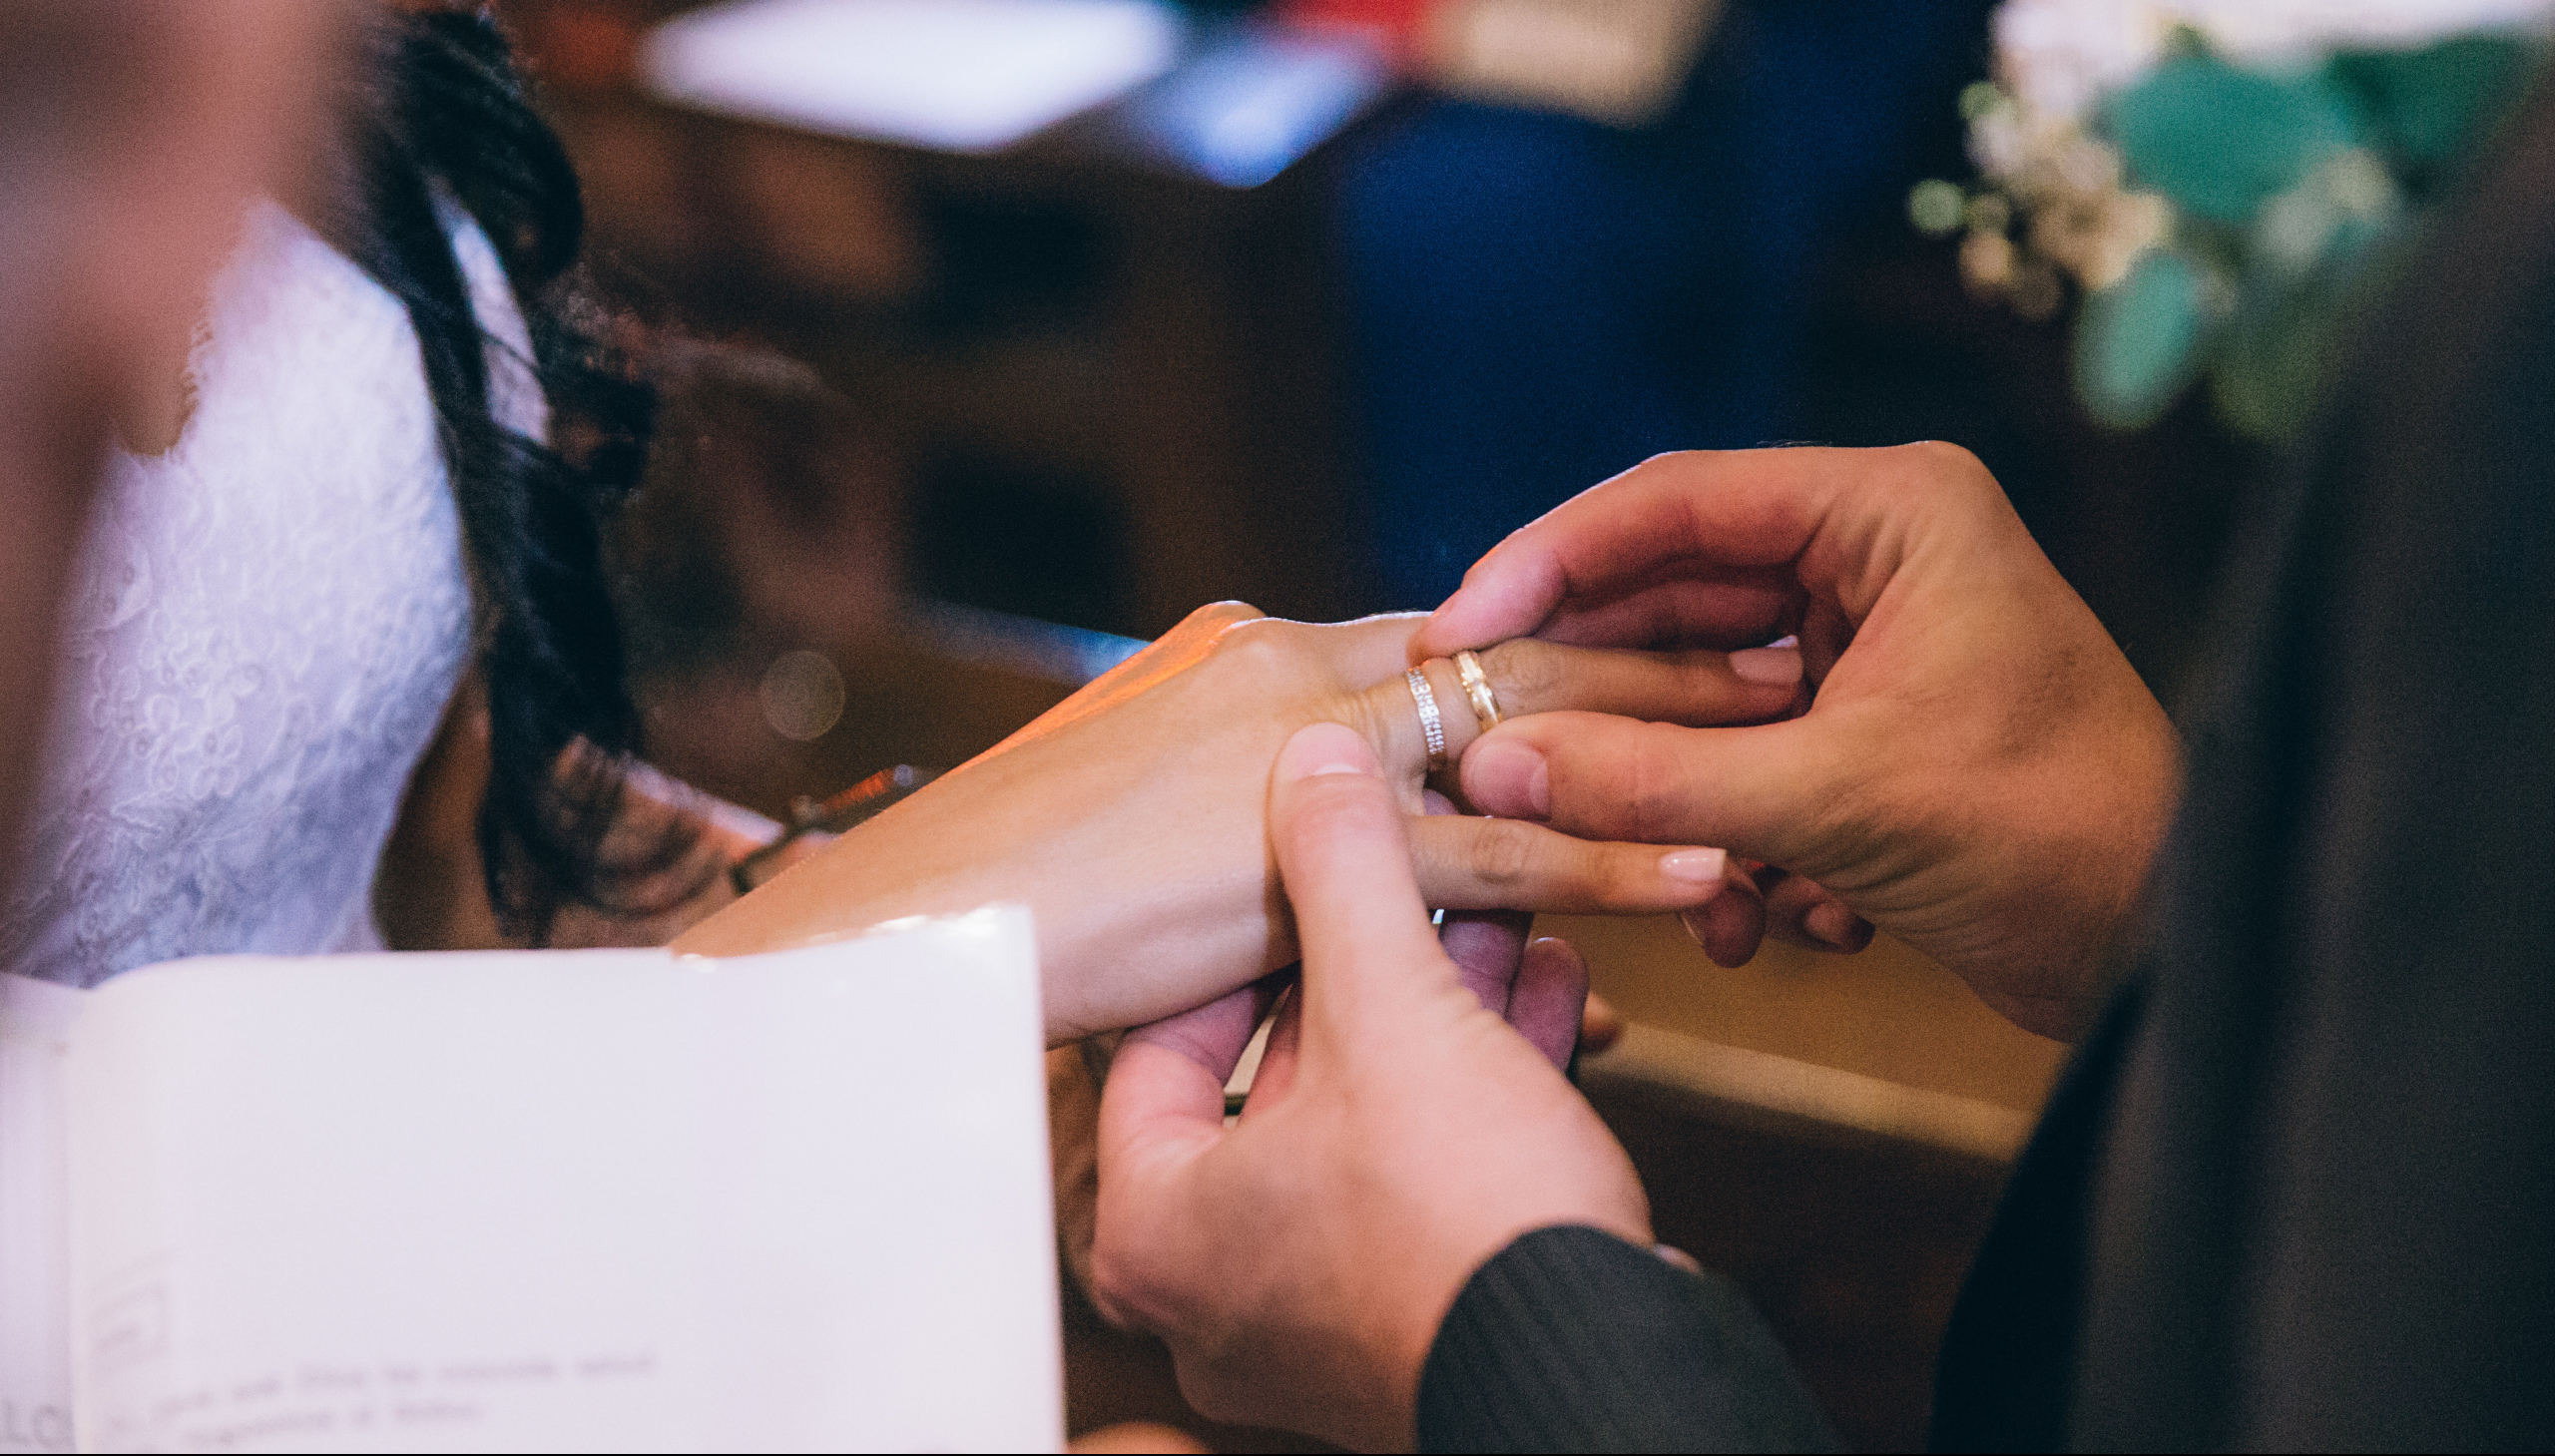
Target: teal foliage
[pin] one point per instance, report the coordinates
(2425, 107)
(2265, 378)
(2280, 344)
(2138, 341)
(2217, 141)
(2262, 299)
(2221, 141)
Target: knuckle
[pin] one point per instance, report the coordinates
(1523, 672)
(1501, 852)
(1942, 454)
(1256, 644)
(1116, 1288)
(1654, 787)
(1222, 614)
(1944, 460)
(1375, 713)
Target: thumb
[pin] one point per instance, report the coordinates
(1757, 792)
(1345, 855)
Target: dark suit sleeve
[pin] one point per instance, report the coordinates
(1571, 1339)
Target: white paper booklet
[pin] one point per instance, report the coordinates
(555, 1200)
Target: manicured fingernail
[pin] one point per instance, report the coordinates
(1768, 667)
(1509, 780)
(1698, 866)
(1832, 923)
(1328, 748)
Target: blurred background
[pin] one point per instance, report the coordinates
(1132, 308)
(998, 334)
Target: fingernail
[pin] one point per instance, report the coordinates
(1696, 866)
(1328, 748)
(1768, 667)
(1509, 780)
(1832, 923)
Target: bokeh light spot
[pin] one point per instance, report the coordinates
(802, 696)
(1936, 207)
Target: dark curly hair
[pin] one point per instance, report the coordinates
(440, 108)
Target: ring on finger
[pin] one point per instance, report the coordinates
(1478, 690)
(1431, 727)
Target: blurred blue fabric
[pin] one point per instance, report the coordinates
(1540, 301)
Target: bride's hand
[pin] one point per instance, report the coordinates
(1132, 817)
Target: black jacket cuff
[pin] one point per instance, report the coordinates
(1571, 1339)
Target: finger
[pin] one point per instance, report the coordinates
(1486, 946)
(1525, 677)
(1725, 610)
(1768, 791)
(1551, 991)
(1159, 1102)
(1346, 860)
(1732, 927)
(1277, 1059)
(1693, 686)
(1742, 508)
(1799, 911)
(1213, 1035)
(1474, 863)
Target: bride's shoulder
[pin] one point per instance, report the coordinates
(288, 308)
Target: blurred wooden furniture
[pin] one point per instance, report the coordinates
(1110, 375)
(1831, 1132)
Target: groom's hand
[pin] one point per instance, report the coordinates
(1979, 771)
(1401, 1130)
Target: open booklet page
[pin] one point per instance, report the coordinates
(35, 1345)
(568, 1201)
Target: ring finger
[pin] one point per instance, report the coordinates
(1696, 687)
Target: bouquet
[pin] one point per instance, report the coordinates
(2219, 183)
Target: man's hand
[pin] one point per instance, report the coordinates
(1978, 769)
(1400, 1131)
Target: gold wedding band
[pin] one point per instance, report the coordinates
(1431, 727)
(1478, 690)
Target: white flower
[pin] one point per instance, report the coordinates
(2058, 57)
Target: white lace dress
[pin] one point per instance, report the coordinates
(265, 628)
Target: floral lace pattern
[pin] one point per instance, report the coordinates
(265, 627)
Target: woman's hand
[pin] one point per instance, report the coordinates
(1133, 817)
(1980, 771)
